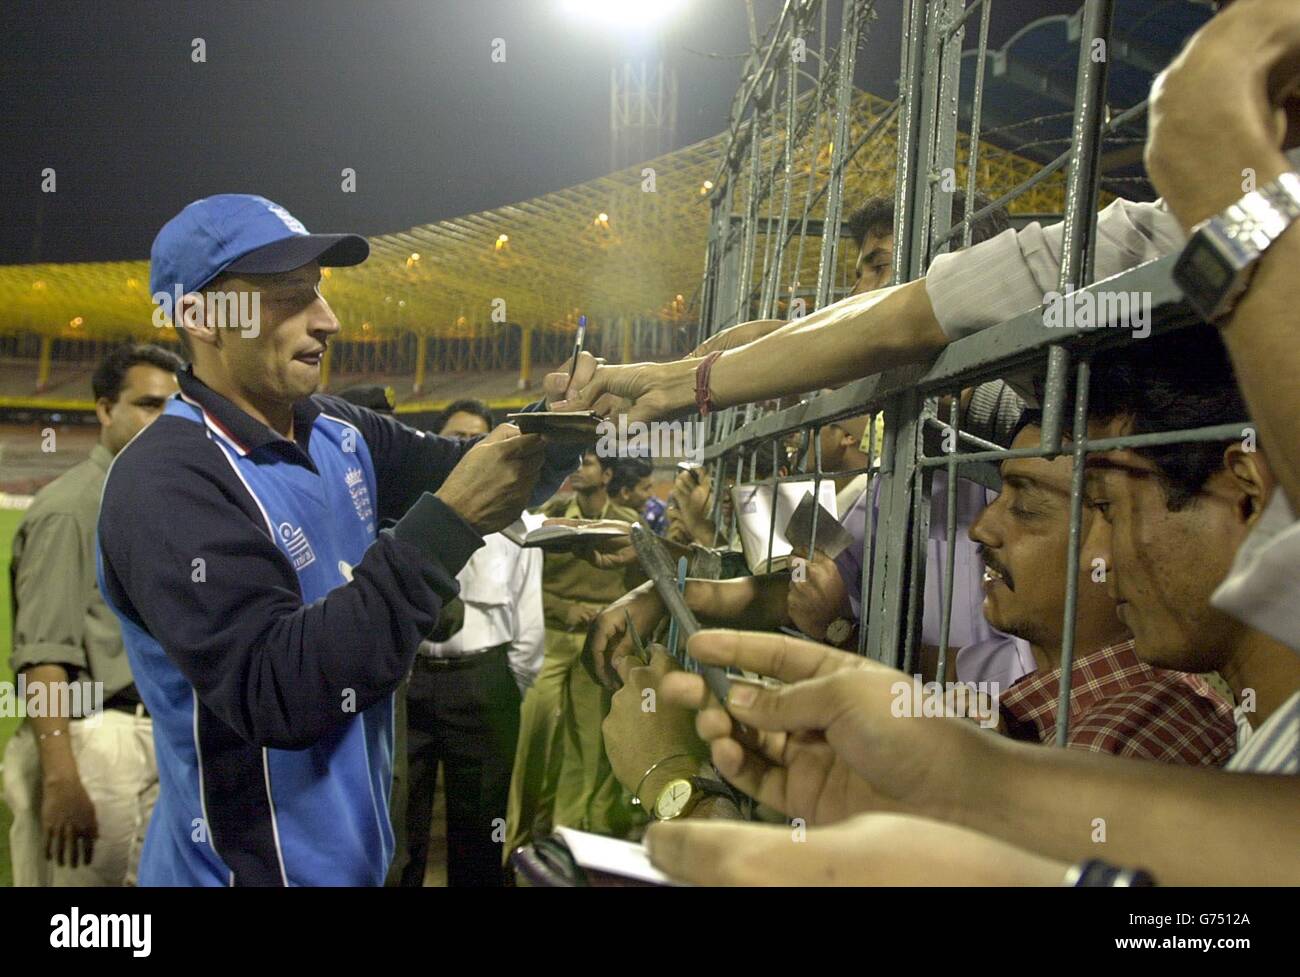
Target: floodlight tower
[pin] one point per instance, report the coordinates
(642, 82)
(642, 111)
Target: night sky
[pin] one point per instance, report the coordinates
(403, 91)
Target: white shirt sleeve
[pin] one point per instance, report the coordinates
(528, 647)
(1006, 275)
(1262, 590)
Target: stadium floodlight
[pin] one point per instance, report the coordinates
(622, 14)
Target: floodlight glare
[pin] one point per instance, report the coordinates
(625, 14)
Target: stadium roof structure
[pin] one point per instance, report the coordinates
(627, 244)
(631, 244)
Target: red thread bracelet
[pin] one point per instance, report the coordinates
(703, 395)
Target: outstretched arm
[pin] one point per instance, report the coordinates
(856, 337)
(1222, 112)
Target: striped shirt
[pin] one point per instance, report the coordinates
(1121, 705)
(1275, 746)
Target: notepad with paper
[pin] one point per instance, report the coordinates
(597, 853)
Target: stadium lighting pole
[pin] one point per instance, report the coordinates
(642, 90)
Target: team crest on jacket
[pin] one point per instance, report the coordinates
(360, 492)
(295, 541)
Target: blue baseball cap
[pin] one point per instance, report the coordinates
(240, 232)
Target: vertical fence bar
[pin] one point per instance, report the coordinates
(708, 283)
(1076, 270)
(911, 84)
(839, 149)
(776, 490)
(890, 582)
(868, 539)
(1072, 556)
(947, 56)
(976, 112)
(1080, 191)
(769, 239)
(817, 488)
(750, 227)
(950, 534)
(769, 306)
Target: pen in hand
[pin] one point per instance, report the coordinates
(577, 351)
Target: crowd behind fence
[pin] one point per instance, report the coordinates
(742, 281)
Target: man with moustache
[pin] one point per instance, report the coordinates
(81, 787)
(1118, 703)
(1170, 519)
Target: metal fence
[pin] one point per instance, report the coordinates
(742, 282)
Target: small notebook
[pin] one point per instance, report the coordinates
(754, 503)
(613, 855)
(832, 538)
(578, 427)
(561, 538)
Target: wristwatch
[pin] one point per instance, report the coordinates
(675, 800)
(1217, 264)
(1094, 873)
(678, 797)
(839, 631)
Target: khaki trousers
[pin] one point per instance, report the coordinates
(539, 753)
(116, 763)
(561, 775)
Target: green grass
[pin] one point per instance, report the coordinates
(9, 520)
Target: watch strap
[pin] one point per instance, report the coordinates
(708, 787)
(1094, 873)
(1259, 218)
(1238, 238)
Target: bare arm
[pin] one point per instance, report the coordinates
(760, 602)
(1187, 826)
(68, 818)
(52, 731)
(1261, 341)
(856, 337)
(862, 335)
(738, 335)
(1220, 114)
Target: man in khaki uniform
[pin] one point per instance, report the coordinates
(561, 776)
(81, 782)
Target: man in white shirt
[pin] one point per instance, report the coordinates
(464, 696)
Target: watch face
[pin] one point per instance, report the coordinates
(1205, 274)
(673, 799)
(1210, 267)
(838, 631)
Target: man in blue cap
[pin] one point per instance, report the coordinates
(266, 618)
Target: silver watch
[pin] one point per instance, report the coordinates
(1216, 266)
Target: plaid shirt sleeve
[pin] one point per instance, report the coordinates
(1171, 719)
